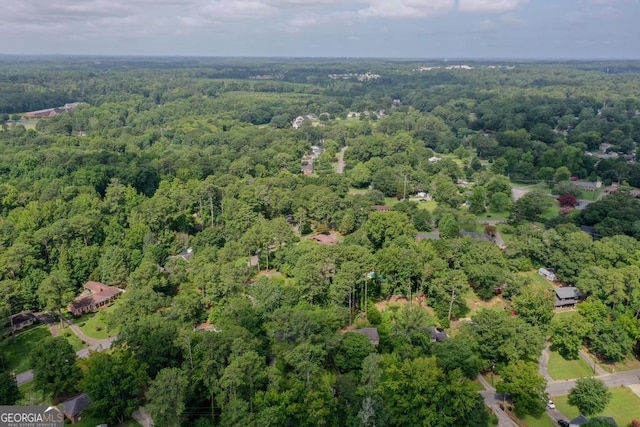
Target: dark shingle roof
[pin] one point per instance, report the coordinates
(75, 406)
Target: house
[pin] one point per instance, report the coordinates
(371, 333)
(382, 208)
(40, 114)
(587, 186)
(73, 408)
(185, 255)
(434, 159)
(297, 122)
(95, 296)
(567, 296)
(50, 112)
(428, 236)
(436, 334)
(548, 273)
(475, 235)
(581, 420)
(325, 239)
(20, 321)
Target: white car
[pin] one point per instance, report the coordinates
(551, 405)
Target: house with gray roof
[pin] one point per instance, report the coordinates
(567, 296)
(371, 333)
(73, 408)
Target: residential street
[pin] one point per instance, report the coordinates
(492, 399)
(95, 345)
(617, 379)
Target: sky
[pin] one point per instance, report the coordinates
(429, 29)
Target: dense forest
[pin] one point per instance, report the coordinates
(183, 182)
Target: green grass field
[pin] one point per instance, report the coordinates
(497, 216)
(76, 343)
(17, 352)
(562, 369)
(624, 406)
(27, 388)
(537, 281)
(591, 195)
(543, 421)
(95, 324)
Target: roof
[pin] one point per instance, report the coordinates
(437, 334)
(581, 419)
(98, 292)
(475, 235)
(23, 317)
(429, 236)
(578, 421)
(610, 420)
(371, 333)
(568, 292)
(75, 406)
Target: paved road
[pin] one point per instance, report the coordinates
(492, 399)
(341, 164)
(76, 330)
(556, 388)
(94, 345)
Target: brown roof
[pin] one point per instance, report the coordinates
(382, 208)
(323, 239)
(98, 292)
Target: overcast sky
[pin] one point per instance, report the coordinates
(511, 29)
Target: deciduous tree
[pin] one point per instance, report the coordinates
(590, 396)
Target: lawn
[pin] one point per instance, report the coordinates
(543, 421)
(17, 352)
(551, 212)
(562, 369)
(624, 406)
(537, 281)
(76, 343)
(27, 388)
(477, 385)
(95, 325)
(496, 216)
(508, 237)
(591, 195)
(626, 365)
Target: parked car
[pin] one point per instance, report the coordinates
(563, 423)
(551, 405)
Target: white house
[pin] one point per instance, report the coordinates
(548, 273)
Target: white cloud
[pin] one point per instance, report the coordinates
(407, 8)
(482, 6)
(488, 25)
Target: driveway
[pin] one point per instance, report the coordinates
(94, 345)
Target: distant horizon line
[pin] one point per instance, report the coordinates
(289, 57)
